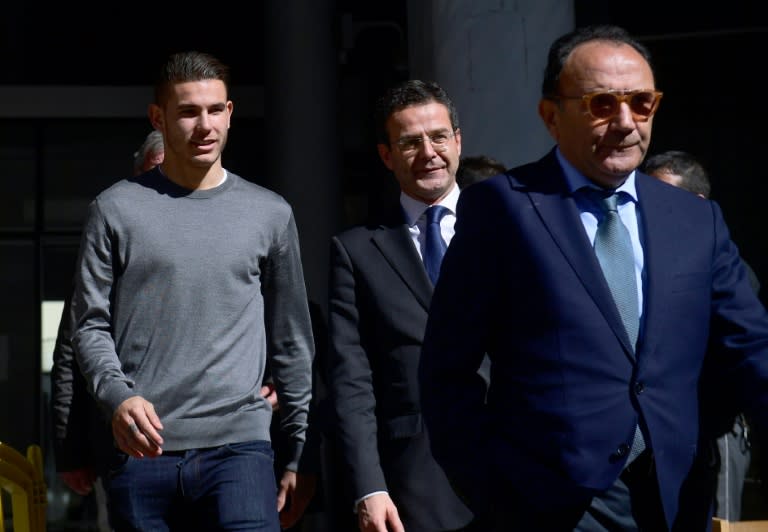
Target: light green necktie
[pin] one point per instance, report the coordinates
(613, 248)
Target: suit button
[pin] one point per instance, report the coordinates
(620, 454)
(622, 450)
(639, 388)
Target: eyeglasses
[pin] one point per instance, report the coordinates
(605, 105)
(411, 145)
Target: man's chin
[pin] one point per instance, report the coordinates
(435, 179)
(620, 166)
(204, 159)
(434, 188)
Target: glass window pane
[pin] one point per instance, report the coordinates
(19, 351)
(82, 158)
(18, 161)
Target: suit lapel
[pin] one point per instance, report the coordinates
(659, 243)
(560, 215)
(395, 244)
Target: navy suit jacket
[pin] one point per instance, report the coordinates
(521, 282)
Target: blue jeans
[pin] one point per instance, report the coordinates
(231, 487)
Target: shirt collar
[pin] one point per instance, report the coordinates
(414, 208)
(576, 180)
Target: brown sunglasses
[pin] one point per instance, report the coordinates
(605, 105)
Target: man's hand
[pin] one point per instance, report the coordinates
(376, 513)
(296, 490)
(80, 480)
(135, 426)
(269, 393)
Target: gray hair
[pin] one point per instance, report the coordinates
(153, 144)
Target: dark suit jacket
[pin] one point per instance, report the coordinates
(82, 435)
(379, 296)
(521, 282)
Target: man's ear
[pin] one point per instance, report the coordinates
(548, 111)
(386, 155)
(156, 117)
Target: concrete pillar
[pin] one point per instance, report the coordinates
(489, 55)
(301, 128)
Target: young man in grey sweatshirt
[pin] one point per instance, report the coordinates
(189, 278)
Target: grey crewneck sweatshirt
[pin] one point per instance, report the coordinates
(179, 297)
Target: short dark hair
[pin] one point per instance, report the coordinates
(564, 45)
(407, 94)
(189, 66)
(693, 176)
(474, 168)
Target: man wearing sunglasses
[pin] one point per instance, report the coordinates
(595, 290)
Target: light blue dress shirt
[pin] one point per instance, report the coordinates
(628, 212)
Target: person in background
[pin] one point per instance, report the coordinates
(80, 432)
(596, 291)
(679, 169)
(189, 281)
(733, 445)
(317, 515)
(474, 168)
(379, 295)
(149, 154)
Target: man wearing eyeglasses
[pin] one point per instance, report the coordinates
(595, 290)
(380, 290)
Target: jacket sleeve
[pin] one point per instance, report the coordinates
(68, 424)
(460, 319)
(81, 435)
(350, 379)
